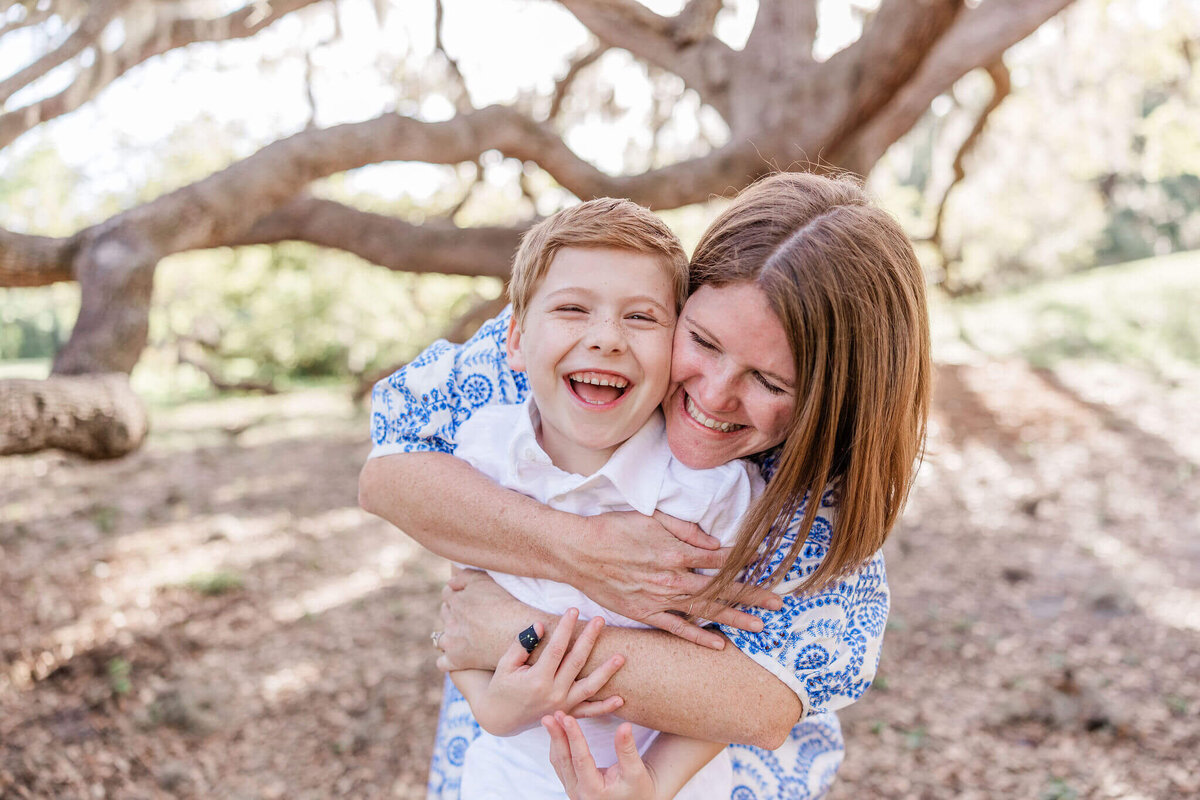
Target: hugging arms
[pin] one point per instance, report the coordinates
(804, 343)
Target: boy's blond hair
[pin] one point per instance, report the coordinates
(604, 222)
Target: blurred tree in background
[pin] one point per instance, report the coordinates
(1086, 158)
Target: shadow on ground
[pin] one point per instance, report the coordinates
(214, 617)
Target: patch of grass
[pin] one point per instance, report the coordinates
(212, 584)
(105, 518)
(118, 675)
(1058, 789)
(1178, 705)
(1139, 314)
(916, 738)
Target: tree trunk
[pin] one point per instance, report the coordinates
(96, 416)
(116, 276)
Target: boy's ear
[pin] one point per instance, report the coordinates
(516, 359)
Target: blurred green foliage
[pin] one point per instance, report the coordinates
(297, 312)
(284, 314)
(1092, 159)
(1141, 314)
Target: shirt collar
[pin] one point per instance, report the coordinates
(636, 469)
(639, 465)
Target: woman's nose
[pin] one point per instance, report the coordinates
(718, 392)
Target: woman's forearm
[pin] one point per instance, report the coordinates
(717, 695)
(675, 686)
(475, 522)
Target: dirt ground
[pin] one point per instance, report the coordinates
(214, 616)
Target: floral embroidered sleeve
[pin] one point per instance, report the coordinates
(419, 408)
(824, 646)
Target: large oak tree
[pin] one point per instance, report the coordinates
(781, 105)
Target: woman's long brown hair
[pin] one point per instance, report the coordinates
(847, 287)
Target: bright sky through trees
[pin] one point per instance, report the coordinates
(502, 47)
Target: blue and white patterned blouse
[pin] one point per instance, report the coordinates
(825, 646)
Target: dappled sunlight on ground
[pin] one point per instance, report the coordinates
(214, 616)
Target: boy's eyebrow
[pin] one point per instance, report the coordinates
(710, 335)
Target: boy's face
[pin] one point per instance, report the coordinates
(599, 316)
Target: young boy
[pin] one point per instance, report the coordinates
(595, 292)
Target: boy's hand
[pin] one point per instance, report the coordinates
(628, 779)
(518, 694)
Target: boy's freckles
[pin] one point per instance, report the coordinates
(595, 342)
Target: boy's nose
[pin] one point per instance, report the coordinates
(605, 336)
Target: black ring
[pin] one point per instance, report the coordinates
(528, 639)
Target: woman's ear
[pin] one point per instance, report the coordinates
(516, 359)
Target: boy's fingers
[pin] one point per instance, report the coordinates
(515, 656)
(685, 630)
(581, 756)
(577, 656)
(560, 754)
(597, 708)
(587, 686)
(560, 640)
(627, 754)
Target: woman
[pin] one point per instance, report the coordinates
(804, 344)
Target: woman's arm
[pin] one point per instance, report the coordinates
(667, 683)
(637, 566)
(632, 564)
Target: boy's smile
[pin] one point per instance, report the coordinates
(598, 388)
(596, 344)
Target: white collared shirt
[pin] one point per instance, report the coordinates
(641, 475)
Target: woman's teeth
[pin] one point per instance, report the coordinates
(708, 422)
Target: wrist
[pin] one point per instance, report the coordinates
(570, 558)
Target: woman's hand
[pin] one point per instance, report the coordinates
(480, 620)
(519, 694)
(628, 779)
(641, 567)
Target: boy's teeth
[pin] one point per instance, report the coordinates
(598, 379)
(708, 422)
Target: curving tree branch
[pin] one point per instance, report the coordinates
(27, 260)
(1001, 87)
(387, 241)
(168, 36)
(100, 13)
(978, 37)
(683, 44)
(563, 85)
(779, 104)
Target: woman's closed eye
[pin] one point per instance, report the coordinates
(768, 385)
(700, 340)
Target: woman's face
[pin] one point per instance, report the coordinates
(733, 383)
